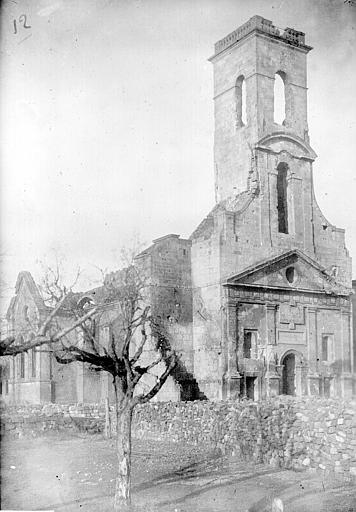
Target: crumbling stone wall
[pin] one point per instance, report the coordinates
(33, 420)
(293, 433)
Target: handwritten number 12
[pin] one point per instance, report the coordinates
(23, 20)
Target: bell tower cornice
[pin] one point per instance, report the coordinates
(261, 26)
(260, 100)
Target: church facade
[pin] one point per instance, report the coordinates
(272, 274)
(258, 300)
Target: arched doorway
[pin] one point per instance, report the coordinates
(288, 374)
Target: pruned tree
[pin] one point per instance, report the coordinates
(132, 328)
(137, 349)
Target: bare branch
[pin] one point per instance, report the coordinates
(13, 350)
(8, 349)
(143, 398)
(142, 370)
(80, 321)
(144, 337)
(43, 329)
(89, 335)
(75, 353)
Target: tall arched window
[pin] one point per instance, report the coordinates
(22, 365)
(243, 103)
(279, 98)
(50, 365)
(241, 111)
(32, 356)
(4, 378)
(19, 360)
(33, 362)
(282, 201)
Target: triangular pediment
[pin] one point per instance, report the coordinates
(292, 270)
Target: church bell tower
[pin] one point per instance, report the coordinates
(252, 66)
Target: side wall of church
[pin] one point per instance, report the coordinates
(209, 363)
(330, 248)
(29, 376)
(167, 264)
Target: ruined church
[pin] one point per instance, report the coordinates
(257, 301)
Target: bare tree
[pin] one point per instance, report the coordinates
(132, 329)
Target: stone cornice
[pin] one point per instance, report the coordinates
(264, 144)
(261, 26)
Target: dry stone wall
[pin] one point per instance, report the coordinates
(308, 433)
(33, 420)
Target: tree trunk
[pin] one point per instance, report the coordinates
(123, 447)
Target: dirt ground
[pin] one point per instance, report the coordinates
(76, 472)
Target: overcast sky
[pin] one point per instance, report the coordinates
(107, 120)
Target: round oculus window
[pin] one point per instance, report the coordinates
(291, 275)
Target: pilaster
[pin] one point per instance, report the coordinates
(273, 383)
(312, 340)
(233, 377)
(346, 340)
(313, 353)
(271, 323)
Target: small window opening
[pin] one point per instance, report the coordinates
(50, 365)
(291, 274)
(248, 387)
(4, 382)
(279, 98)
(241, 109)
(250, 344)
(282, 202)
(327, 348)
(22, 365)
(243, 103)
(324, 349)
(33, 362)
(4, 376)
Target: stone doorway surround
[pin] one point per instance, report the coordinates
(291, 374)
